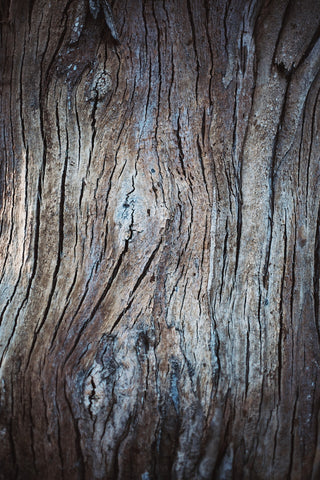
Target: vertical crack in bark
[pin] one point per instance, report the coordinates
(146, 30)
(159, 102)
(235, 126)
(293, 435)
(79, 130)
(239, 231)
(284, 20)
(194, 43)
(293, 272)
(21, 103)
(300, 156)
(225, 25)
(206, 5)
(171, 84)
(94, 131)
(281, 303)
(224, 257)
(275, 165)
(190, 224)
(148, 92)
(110, 183)
(316, 276)
(92, 397)
(181, 154)
(40, 325)
(247, 361)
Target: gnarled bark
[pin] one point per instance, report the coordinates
(159, 275)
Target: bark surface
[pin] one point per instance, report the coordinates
(160, 240)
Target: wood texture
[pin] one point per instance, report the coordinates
(159, 240)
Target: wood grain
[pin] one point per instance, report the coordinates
(159, 240)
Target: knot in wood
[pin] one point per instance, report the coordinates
(102, 86)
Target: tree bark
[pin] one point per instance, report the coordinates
(160, 240)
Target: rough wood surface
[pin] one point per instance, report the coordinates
(159, 240)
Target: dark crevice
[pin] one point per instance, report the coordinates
(235, 124)
(83, 184)
(138, 282)
(316, 275)
(94, 131)
(293, 270)
(243, 52)
(181, 154)
(247, 352)
(146, 269)
(239, 233)
(181, 307)
(202, 165)
(293, 430)
(280, 340)
(118, 319)
(272, 180)
(145, 24)
(59, 323)
(224, 256)
(193, 29)
(207, 4)
(159, 102)
(203, 127)
(23, 131)
(92, 397)
(283, 24)
(72, 285)
(148, 92)
(300, 156)
(171, 83)
(49, 74)
(79, 130)
(113, 276)
(59, 253)
(225, 25)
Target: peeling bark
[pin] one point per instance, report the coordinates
(159, 240)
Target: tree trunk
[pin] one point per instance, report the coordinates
(160, 240)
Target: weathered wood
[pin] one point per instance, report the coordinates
(159, 240)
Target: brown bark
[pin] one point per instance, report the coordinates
(159, 247)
